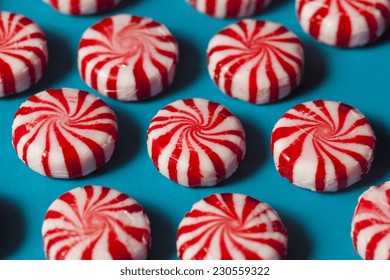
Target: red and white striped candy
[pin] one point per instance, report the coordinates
(96, 223)
(323, 145)
(371, 223)
(127, 57)
(23, 53)
(231, 226)
(64, 133)
(81, 7)
(344, 23)
(229, 8)
(196, 142)
(255, 61)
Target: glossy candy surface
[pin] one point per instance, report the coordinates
(23, 53)
(323, 145)
(95, 223)
(64, 133)
(231, 226)
(344, 23)
(196, 142)
(127, 57)
(255, 61)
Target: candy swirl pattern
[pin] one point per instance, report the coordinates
(371, 223)
(229, 8)
(231, 226)
(344, 23)
(96, 223)
(127, 57)
(323, 145)
(196, 142)
(64, 133)
(255, 61)
(81, 7)
(23, 53)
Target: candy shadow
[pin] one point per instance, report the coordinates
(124, 4)
(298, 246)
(12, 227)
(61, 62)
(314, 73)
(163, 245)
(384, 39)
(256, 153)
(274, 5)
(188, 69)
(380, 166)
(128, 142)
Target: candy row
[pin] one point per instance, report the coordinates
(337, 23)
(97, 222)
(130, 58)
(319, 145)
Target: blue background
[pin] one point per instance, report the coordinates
(318, 224)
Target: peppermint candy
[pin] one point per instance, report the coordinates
(128, 57)
(371, 223)
(255, 61)
(196, 142)
(81, 7)
(323, 145)
(64, 133)
(23, 53)
(96, 223)
(231, 226)
(229, 8)
(344, 23)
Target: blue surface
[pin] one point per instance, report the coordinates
(318, 223)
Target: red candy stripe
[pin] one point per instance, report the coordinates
(64, 133)
(95, 223)
(195, 142)
(344, 23)
(229, 8)
(371, 223)
(231, 227)
(255, 61)
(23, 53)
(128, 57)
(82, 7)
(323, 145)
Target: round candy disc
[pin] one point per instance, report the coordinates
(127, 57)
(255, 61)
(229, 8)
(371, 223)
(231, 226)
(344, 23)
(196, 142)
(323, 145)
(95, 223)
(81, 7)
(64, 133)
(23, 53)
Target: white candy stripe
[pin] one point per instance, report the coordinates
(64, 133)
(255, 61)
(95, 223)
(323, 145)
(23, 53)
(229, 8)
(370, 231)
(344, 23)
(128, 57)
(195, 142)
(231, 226)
